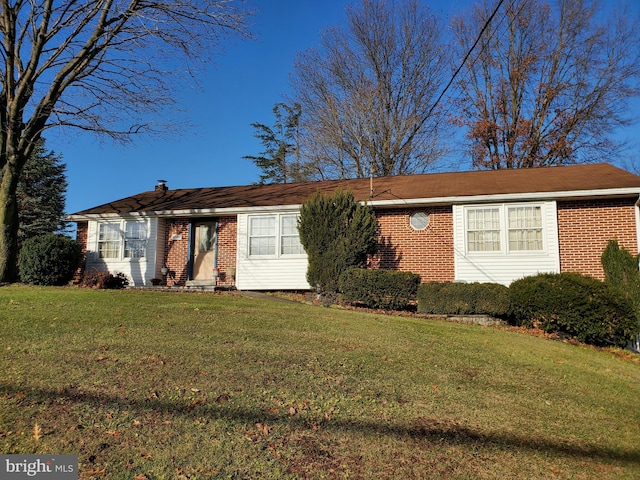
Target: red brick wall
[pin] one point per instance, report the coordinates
(82, 231)
(428, 252)
(585, 227)
(227, 246)
(177, 251)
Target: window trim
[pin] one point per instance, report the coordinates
(278, 217)
(503, 217)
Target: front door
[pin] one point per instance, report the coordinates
(203, 256)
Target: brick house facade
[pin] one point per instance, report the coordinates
(538, 220)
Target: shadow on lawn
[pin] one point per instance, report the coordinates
(447, 431)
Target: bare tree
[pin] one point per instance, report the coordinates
(367, 93)
(105, 66)
(547, 84)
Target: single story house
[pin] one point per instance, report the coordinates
(478, 226)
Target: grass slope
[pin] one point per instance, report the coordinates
(156, 385)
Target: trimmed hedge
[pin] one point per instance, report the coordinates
(451, 298)
(49, 260)
(574, 304)
(385, 289)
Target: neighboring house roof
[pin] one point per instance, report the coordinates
(586, 181)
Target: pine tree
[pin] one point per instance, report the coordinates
(41, 195)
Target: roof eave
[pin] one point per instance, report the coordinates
(453, 200)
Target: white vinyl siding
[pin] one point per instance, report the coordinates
(128, 246)
(503, 242)
(285, 269)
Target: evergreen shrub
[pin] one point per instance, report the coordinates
(577, 305)
(337, 233)
(452, 298)
(385, 289)
(49, 260)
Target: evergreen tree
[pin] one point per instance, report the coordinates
(280, 143)
(337, 233)
(41, 195)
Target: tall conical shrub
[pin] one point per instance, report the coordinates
(337, 233)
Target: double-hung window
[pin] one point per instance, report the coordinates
(109, 240)
(274, 235)
(483, 229)
(135, 239)
(504, 228)
(289, 236)
(525, 228)
(117, 240)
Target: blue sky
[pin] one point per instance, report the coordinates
(239, 88)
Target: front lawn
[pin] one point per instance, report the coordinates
(161, 385)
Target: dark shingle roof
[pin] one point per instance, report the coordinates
(550, 180)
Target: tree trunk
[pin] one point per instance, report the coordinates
(8, 224)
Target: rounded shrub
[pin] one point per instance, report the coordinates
(577, 305)
(49, 260)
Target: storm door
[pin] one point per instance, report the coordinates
(203, 255)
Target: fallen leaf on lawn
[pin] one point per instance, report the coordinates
(263, 428)
(37, 432)
(140, 476)
(113, 433)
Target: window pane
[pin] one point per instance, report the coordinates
(483, 230)
(263, 226)
(262, 235)
(135, 240)
(525, 228)
(289, 236)
(262, 246)
(205, 237)
(109, 240)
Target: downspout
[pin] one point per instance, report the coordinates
(216, 271)
(637, 212)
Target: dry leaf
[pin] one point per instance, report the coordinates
(37, 432)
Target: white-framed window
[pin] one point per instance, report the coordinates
(525, 228)
(483, 229)
(135, 239)
(289, 236)
(123, 239)
(274, 235)
(109, 240)
(504, 228)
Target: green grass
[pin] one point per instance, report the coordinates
(159, 385)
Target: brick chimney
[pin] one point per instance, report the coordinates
(162, 186)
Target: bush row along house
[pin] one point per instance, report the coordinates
(479, 226)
